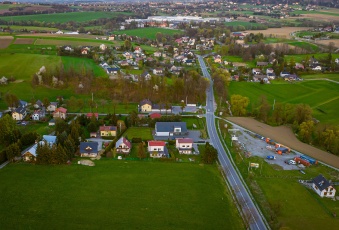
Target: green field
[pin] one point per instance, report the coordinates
(116, 194)
(316, 12)
(300, 57)
(333, 76)
(149, 32)
(139, 132)
(23, 66)
(64, 17)
(305, 45)
(247, 25)
(30, 28)
(317, 94)
(199, 122)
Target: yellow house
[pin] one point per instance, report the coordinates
(145, 106)
(19, 114)
(108, 131)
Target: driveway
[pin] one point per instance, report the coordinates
(187, 109)
(194, 134)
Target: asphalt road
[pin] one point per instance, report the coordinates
(250, 211)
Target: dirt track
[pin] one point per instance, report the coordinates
(284, 135)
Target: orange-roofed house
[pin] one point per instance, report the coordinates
(107, 131)
(60, 113)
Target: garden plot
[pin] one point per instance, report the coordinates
(253, 146)
(5, 41)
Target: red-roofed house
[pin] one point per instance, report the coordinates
(184, 145)
(90, 115)
(123, 146)
(106, 131)
(157, 149)
(60, 113)
(155, 115)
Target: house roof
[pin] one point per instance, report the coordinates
(123, 140)
(88, 147)
(54, 104)
(155, 115)
(20, 110)
(61, 110)
(145, 101)
(39, 103)
(89, 115)
(108, 128)
(169, 126)
(50, 139)
(321, 182)
(156, 143)
(185, 140)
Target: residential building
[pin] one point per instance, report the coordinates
(52, 106)
(145, 105)
(19, 113)
(184, 145)
(107, 131)
(60, 113)
(88, 149)
(323, 187)
(123, 146)
(167, 129)
(157, 149)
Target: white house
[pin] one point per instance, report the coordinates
(103, 47)
(123, 146)
(157, 149)
(52, 106)
(323, 187)
(317, 68)
(184, 145)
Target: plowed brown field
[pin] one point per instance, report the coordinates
(285, 136)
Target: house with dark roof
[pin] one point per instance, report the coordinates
(170, 129)
(123, 146)
(19, 113)
(52, 106)
(157, 149)
(145, 105)
(146, 75)
(88, 149)
(323, 187)
(38, 104)
(30, 155)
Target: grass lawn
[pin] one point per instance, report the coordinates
(317, 94)
(199, 122)
(300, 57)
(126, 195)
(64, 17)
(148, 32)
(39, 127)
(139, 132)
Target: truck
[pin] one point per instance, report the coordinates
(277, 145)
(309, 159)
(281, 150)
(302, 161)
(270, 157)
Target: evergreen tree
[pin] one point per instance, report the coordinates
(210, 155)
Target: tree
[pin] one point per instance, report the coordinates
(9, 133)
(239, 104)
(303, 113)
(263, 109)
(60, 126)
(210, 154)
(12, 151)
(11, 100)
(141, 151)
(306, 130)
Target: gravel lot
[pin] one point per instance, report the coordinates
(257, 147)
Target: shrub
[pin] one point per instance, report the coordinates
(3, 156)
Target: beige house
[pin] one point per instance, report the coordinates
(145, 106)
(19, 113)
(60, 113)
(184, 145)
(108, 131)
(52, 106)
